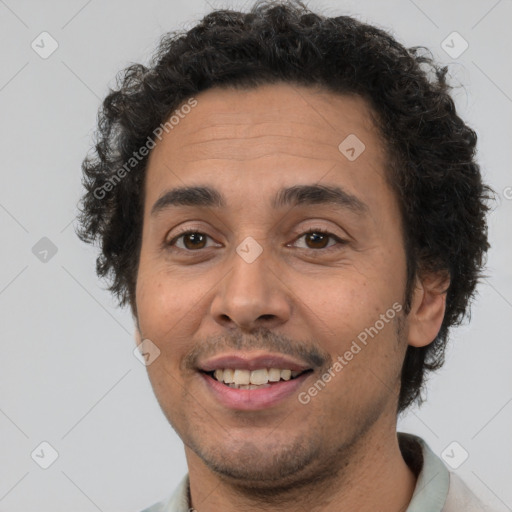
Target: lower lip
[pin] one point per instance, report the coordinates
(253, 399)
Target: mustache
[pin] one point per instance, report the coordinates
(260, 339)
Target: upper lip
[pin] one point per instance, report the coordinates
(245, 361)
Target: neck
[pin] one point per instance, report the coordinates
(371, 475)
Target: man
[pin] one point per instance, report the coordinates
(291, 207)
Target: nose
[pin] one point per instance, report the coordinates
(251, 295)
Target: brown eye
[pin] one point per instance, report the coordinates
(319, 239)
(192, 240)
(197, 240)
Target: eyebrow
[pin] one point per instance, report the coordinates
(297, 195)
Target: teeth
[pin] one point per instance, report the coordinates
(274, 374)
(259, 376)
(228, 376)
(286, 374)
(247, 386)
(242, 376)
(247, 379)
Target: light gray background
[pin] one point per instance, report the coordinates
(68, 375)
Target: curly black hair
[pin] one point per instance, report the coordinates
(431, 151)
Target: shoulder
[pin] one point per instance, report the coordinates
(460, 497)
(437, 488)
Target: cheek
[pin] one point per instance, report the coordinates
(341, 301)
(347, 308)
(164, 304)
(162, 315)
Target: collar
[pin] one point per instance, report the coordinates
(433, 477)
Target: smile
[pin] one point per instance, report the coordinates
(238, 378)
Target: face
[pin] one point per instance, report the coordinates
(294, 256)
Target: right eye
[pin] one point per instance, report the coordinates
(192, 240)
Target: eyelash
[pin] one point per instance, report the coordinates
(340, 242)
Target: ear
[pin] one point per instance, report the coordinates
(428, 306)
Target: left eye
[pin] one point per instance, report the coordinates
(318, 237)
(196, 238)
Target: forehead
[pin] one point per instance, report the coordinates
(269, 137)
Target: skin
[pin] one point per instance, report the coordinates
(297, 298)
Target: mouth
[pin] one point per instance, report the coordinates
(260, 378)
(252, 381)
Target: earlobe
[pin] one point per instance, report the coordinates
(427, 309)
